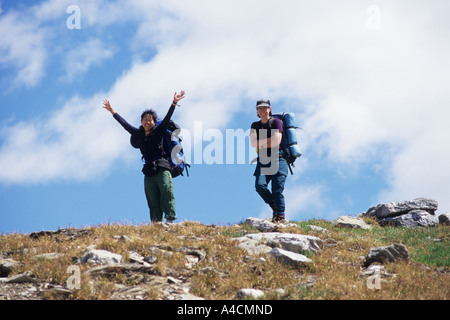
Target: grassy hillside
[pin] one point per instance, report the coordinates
(335, 273)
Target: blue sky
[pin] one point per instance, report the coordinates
(367, 81)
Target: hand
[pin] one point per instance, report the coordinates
(178, 96)
(107, 106)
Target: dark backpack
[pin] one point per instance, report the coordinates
(173, 150)
(170, 146)
(291, 150)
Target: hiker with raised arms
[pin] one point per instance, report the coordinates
(272, 167)
(158, 183)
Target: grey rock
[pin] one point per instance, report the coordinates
(174, 280)
(21, 278)
(7, 266)
(123, 268)
(266, 225)
(414, 218)
(290, 258)
(192, 251)
(261, 225)
(352, 222)
(250, 293)
(135, 257)
(297, 243)
(253, 247)
(100, 257)
(444, 218)
(150, 259)
(61, 291)
(393, 209)
(386, 254)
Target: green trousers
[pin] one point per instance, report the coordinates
(160, 195)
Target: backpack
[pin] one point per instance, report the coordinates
(291, 150)
(173, 150)
(170, 146)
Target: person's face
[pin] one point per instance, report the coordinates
(148, 122)
(263, 112)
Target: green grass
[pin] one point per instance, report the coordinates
(425, 245)
(336, 270)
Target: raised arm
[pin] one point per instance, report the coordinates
(165, 122)
(122, 121)
(178, 96)
(107, 106)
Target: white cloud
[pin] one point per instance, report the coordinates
(361, 93)
(28, 37)
(302, 201)
(49, 10)
(22, 49)
(420, 167)
(80, 59)
(77, 143)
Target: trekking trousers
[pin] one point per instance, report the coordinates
(275, 195)
(159, 192)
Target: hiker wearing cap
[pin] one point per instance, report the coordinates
(265, 136)
(158, 182)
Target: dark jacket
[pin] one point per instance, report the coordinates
(151, 146)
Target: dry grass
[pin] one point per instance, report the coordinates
(334, 274)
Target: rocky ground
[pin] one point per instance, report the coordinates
(133, 275)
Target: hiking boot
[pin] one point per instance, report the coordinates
(274, 213)
(280, 218)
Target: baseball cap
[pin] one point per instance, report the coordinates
(263, 103)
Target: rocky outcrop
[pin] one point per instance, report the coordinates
(267, 226)
(386, 254)
(62, 234)
(418, 212)
(143, 277)
(140, 273)
(256, 243)
(288, 248)
(414, 218)
(394, 209)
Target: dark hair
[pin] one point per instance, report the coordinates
(150, 112)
